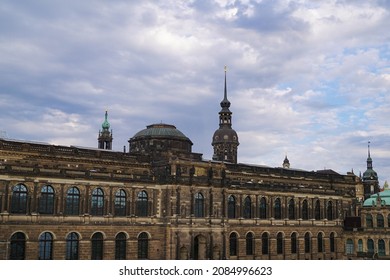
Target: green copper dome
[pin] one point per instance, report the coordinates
(160, 130)
(384, 196)
(106, 124)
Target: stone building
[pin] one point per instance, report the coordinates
(161, 200)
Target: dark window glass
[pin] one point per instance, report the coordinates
(46, 246)
(231, 207)
(291, 209)
(199, 205)
(143, 245)
(294, 243)
(370, 246)
(247, 213)
(349, 247)
(264, 243)
(332, 242)
(18, 246)
(317, 210)
(307, 242)
(249, 243)
(142, 204)
(380, 222)
(388, 220)
(72, 201)
(369, 221)
(360, 245)
(263, 208)
(97, 246)
(329, 211)
(19, 199)
(97, 202)
(279, 243)
(233, 244)
(381, 247)
(320, 242)
(120, 246)
(72, 246)
(46, 202)
(305, 210)
(120, 203)
(278, 209)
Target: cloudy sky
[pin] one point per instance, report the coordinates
(306, 79)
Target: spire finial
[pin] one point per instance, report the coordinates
(369, 154)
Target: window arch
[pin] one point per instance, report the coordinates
(279, 243)
(247, 213)
(320, 242)
(329, 211)
(277, 209)
(199, 205)
(317, 210)
(120, 246)
(120, 203)
(294, 243)
(97, 202)
(72, 205)
(72, 246)
(142, 204)
(263, 208)
(360, 245)
(19, 199)
(349, 248)
(97, 246)
(46, 201)
(291, 209)
(307, 242)
(46, 246)
(265, 243)
(143, 245)
(380, 222)
(233, 239)
(231, 207)
(305, 210)
(332, 242)
(369, 223)
(249, 243)
(381, 247)
(18, 246)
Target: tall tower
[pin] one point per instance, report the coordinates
(370, 178)
(225, 139)
(105, 135)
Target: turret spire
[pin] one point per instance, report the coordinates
(105, 136)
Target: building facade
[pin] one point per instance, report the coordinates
(160, 200)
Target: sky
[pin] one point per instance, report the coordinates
(306, 79)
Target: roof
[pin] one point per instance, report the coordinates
(161, 130)
(384, 196)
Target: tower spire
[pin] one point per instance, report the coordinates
(105, 136)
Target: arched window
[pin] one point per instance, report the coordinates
(291, 209)
(317, 210)
(120, 246)
(199, 205)
(320, 242)
(349, 250)
(294, 243)
(279, 243)
(18, 246)
(72, 246)
(46, 246)
(360, 245)
(97, 246)
(143, 245)
(249, 243)
(369, 221)
(263, 208)
(329, 211)
(231, 207)
(264, 243)
(307, 242)
(19, 199)
(46, 202)
(142, 204)
(120, 203)
(72, 201)
(305, 210)
(332, 242)
(381, 247)
(233, 244)
(380, 222)
(247, 213)
(370, 246)
(277, 209)
(97, 202)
